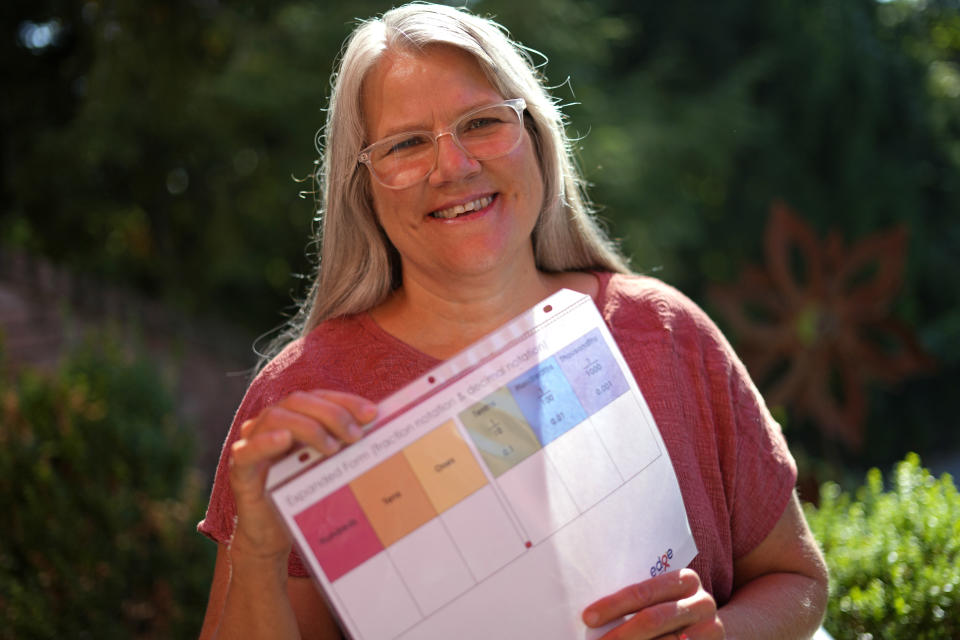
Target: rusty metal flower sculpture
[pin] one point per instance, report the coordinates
(814, 326)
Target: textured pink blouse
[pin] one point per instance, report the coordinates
(735, 471)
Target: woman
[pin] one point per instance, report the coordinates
(435, 238)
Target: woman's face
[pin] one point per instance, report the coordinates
(503, 196)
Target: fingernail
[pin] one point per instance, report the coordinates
(370, 409)
(332, 444)
(354, 432)
(591, 617)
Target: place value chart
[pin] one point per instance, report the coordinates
(497, 495)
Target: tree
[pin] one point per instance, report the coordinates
(154, 143)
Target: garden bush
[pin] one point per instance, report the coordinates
(894, 556)
(99, 502)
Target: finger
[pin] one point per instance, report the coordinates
(669, 587)
(304, 428)
(694, 617)
(246, 427)
(711, 629)
(664, 620)
(248, 455)
(337, 413)
(333, 412)
(362, 409)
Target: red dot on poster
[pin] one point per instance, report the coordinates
(529, 544)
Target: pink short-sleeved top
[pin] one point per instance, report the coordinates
(735, 471)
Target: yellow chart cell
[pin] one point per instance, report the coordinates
(446, 468)
(498, 429)
(392, 499)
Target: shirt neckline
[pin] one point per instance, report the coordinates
(370, 325)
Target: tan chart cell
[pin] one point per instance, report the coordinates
(446, 468)
(498, 429)
(392, 499)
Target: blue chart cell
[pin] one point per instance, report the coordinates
(547, 401)
(592, 371)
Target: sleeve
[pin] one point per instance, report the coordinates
(758, 470)
(729, 454)
(219, 521)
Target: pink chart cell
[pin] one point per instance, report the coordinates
(338, 533)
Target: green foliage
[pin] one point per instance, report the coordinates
(154, 143)
(99, 504)
(894, 556)
(696, 116)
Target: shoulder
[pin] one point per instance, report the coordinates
(641, 304)
(349, 353)
(666, 337)
(308, 362)
(327, 341)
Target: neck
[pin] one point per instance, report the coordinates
(442, 316)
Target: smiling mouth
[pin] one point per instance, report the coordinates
(461, 209)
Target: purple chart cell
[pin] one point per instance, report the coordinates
(593, 373)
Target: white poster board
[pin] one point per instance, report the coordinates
(497, 495)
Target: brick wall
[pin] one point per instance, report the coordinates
(45, 309)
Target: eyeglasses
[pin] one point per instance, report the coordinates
(402, 160)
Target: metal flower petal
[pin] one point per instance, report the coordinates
(814, 325)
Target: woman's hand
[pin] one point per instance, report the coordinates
(672, 606)
(324, 420)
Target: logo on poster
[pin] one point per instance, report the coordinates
(662, 564)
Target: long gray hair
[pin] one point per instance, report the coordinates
(358, 265)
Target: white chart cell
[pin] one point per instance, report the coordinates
(538, 496)
(484, 533)
(585, 466)
(625, 432)
(376, 599)
(431, 566)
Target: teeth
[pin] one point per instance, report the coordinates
(460, 209)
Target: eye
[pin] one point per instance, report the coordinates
(481, 122)
(404, 144)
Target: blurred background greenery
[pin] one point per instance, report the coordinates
(794, 166)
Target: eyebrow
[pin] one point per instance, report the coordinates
(392, 131)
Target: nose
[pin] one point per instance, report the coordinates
(453, 163)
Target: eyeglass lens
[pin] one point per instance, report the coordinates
(405, 159)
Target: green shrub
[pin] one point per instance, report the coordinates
(99, 504)
(894, 556)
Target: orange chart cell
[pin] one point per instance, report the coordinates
(446, 468)
(392, 499)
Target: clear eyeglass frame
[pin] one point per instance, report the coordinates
(366, 154)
